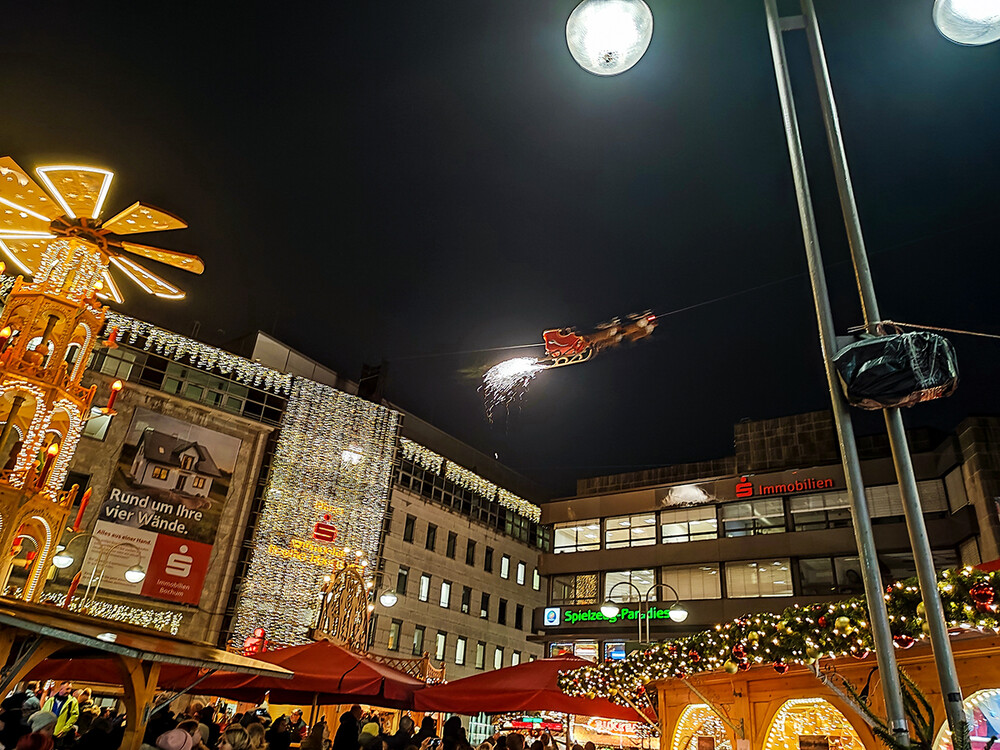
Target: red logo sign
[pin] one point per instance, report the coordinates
(744, 488)
(177, 569)
(324, 531)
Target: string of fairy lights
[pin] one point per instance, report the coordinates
(165, 620)
(470, 480)
(332, 464)
(799, 635)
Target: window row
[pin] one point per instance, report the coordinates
(773, 515)
(474, 653)
(782, 576)
(505, 613)
(520, 570)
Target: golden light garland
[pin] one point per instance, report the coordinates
(699, 720)
(421, 456)
(804, 717)
(166, 621)
(333, 463)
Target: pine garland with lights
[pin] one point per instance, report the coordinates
(799, 635)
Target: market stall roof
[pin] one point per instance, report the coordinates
(91, 637)
(531, 686)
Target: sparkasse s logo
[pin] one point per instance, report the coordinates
(744, 487)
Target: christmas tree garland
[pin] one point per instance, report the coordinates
(799, 635)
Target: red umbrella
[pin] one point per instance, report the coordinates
(531, 686)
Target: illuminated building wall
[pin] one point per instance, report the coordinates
(333, 458)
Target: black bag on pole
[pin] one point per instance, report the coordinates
(901, 369)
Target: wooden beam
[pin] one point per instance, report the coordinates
(38, 650)
(139, 679)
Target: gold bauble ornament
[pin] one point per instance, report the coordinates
(731, 666)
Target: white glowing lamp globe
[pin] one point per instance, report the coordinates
(388, 599)
(135, 574)
(968, 22)
(62, 559)
(678, 613)
(607, 37)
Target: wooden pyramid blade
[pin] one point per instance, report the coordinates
(146, 280)
(24, 206)
(25, 254)
(183, 261)
(110, 292)
(140, 217)
(79, 190)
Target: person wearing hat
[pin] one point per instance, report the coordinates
(66, 709)
(175, 739)
(42, 722)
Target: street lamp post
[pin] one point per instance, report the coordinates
(63, 559)
(678, 613)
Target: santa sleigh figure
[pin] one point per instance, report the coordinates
(565, 346)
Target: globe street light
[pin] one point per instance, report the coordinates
(607, 37)
(388, 599)
(677, 612)
(972, 23)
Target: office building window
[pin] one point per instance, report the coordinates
(480, 654)
(498, 657)
(452, 543)
(828, 510)
(519, 617)
(630, 531)
(753, 518)
(502, 612)
(394, 627)
(425, 587)
(752, 578)
(693, 581)
(575, 589)
(521, 572)
(688, 525)
(445, 594)
(488, 560)
(440, 644)
(418, 640)
(885, 502)
(505, 567)
(536, 580)
(411, 522)
(466, 599)
(577, 536)
(618, 581)
(515, 658)
(896, 566)
(470, 553)
(820, 576)
(431, 540)
(484, 606)
(460, 650)
(402, 578)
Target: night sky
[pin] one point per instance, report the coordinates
(411, 181)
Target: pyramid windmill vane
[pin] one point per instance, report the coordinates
(48, 328)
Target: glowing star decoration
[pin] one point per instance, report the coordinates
(507, 382)
(39, 234)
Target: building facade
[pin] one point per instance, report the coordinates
(759, 531)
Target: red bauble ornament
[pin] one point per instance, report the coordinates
(982, 594)
(780, 667)
(902, 641)
(863, 654)
(744, 665)
(821, 621)
(694, 656)
(739, 651)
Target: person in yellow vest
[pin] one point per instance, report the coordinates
(65, 707)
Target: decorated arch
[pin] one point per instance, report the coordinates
(697, 724)
(813, 723)
(982, 712)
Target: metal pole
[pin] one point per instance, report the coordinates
(877, 614)
(927, 576)
(638, 595)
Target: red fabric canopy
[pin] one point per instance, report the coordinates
(531, 686)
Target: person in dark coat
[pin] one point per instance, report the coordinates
(279, 736)
(349, 729)
(428, 728)
(403, 737)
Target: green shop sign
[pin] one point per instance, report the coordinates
(554, 616)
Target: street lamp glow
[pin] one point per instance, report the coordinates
(607, 37)
(135, 574)
(678, 613)
(610, 609)
(388, 599)
(62, 559)
(968, 22)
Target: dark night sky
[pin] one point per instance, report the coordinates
(395, 180)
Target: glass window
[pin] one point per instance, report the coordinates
(402, 578)
(505, 567)
(614, 650)
(885, 502)
(828, 510)
(561, 649)
(411, 522)
(630, 531)
(588, 650)
(470, 553)
(816, 576)
(418, 640)
(488, 560)
(515, 658)
(440, 644)
(97, 426)
(519, 617)
(688, 525)
(394, 627)
(445, 594)
(452, 543)
(425, 587)
(484, 606)
(502, 612)
(536, 580)
(466, 599)
(693, 581)
(460, 650)
(848, 571)
(752, 518)
(480, 654)
(521, 570)
(577, 536)
(498, 657)
(896, 566)
(954, 482)
(619, 580)
(752, 578)
(431, 541)
(575, 589)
